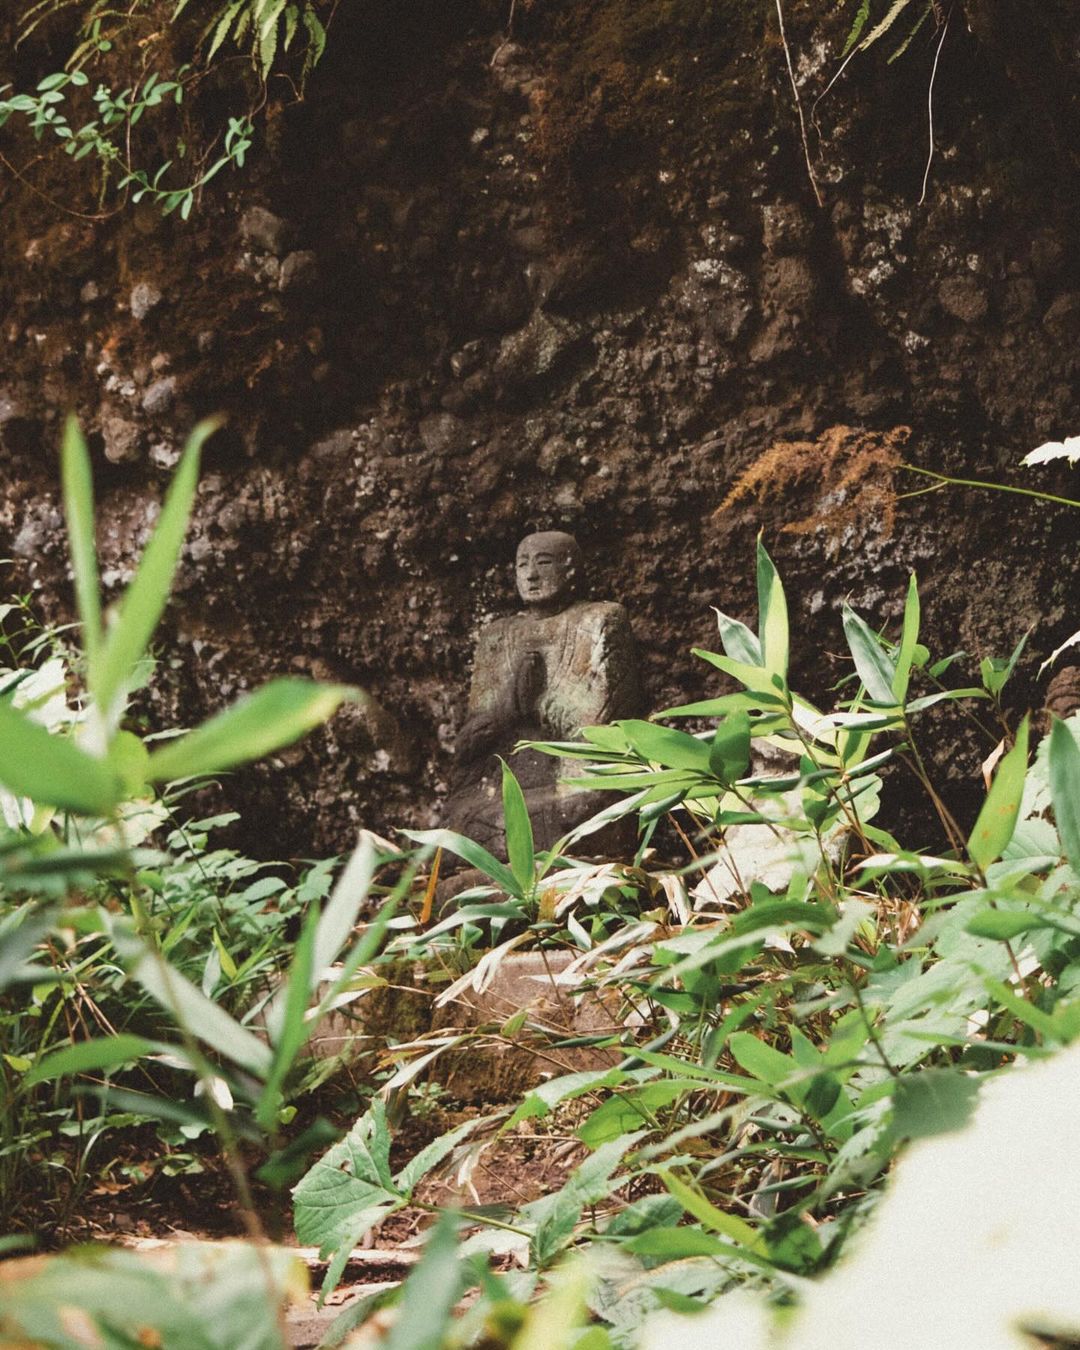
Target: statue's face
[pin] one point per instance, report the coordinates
(546, 568)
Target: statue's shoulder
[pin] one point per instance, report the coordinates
(600, 615)
(494, 633)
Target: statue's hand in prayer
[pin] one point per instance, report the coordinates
(528, 683)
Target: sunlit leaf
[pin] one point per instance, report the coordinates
(519, 832)
(273, 717)
(1065, 790)
(78, 486)
(104, 1053)
(51, 770)
(145, 599)
(997, 819)
(876, 669)
(772, 615)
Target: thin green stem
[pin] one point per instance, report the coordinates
(992, 487)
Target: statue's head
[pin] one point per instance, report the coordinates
(548, 569)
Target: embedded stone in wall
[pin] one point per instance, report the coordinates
(261, 229)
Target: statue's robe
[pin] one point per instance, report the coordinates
(591, 676)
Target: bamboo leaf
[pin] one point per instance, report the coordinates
(104, 1053)
(145, 599)
(876, 670)
(707, 1213)
(198, 1015)
(772, 615)
(51, 770)
(520, 848)
(1065, 790)
(339, 917)
(473, 853)
(739, 642)
(909, 639)
(430, 1293)
(275, 716)
(663, 745)
(78, 488)
(292, 1029)
(997, 819)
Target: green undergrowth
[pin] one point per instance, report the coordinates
(798, 1018)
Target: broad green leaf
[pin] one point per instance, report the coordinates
(145, 599)
(676, 1244)
(663, 745)
(473, 853)
(519, 832)
(199, 1016)
(546, 1096)
(772, 615)
(875, 667)
(129, 760)
(51, 770)
(103, 1053)
(1065, 790)
(728, 1225)
(1004, 924)
(793, 1244)
(996, 671)
(209, 1295)
(632, 1109)
(933, 1101)
(350, 1180)
(756, 678)
(821, 1094)
(1026, 1012)
(78, 487)
(729, 753)
(728, 703)
(909, 640)
(606, 737)
(738, 641)
(997, 819)
(756, 1057)
(275, 716)
(20, 932)
(426, 1304)
(559, 1214)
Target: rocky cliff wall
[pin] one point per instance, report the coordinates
(574, 278)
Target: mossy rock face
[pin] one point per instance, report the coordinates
(502, 1067)
(490, 1066)
(400, 1007)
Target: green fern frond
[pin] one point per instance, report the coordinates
(879, 30)
(222, 26)
(861, 19)
(927, 11)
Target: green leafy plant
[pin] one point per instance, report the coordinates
(796, 1024)
(816, 1024)
(99, 121)
(72, 785)
(866, 29)
(266, 29)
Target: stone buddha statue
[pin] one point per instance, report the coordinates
(561, 664)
